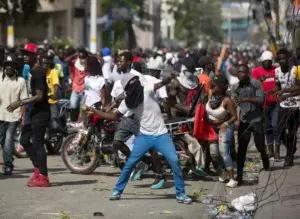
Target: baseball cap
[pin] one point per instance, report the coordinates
(266, 56)
(10, 58)
(31, 47)
(126, 78)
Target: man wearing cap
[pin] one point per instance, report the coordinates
(266, 74)
(34, 129)
(153, 133)
(12, 89)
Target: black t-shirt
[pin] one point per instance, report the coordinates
(38, 82)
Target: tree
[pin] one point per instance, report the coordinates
(138, 8)
(14, 8)
(196, 19)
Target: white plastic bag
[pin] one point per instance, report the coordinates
(245, 203)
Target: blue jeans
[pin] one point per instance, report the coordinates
(7, 132)
(76, 100)
(270, 123)
(144, 143)
(220, 151)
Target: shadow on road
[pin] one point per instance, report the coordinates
(114, 174)
(51, 170)
(14, 176)
(71, 183)
(153, 196)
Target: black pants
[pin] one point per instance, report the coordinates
(34, 131)
(244, 135)
(288, 122)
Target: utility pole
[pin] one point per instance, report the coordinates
(93, 27)
(10, 27)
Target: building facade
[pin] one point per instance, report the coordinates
(61, 19)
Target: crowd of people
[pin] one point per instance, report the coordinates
(244, 92)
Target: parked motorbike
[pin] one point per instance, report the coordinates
(53, 140)
(83, 151)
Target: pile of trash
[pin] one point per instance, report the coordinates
(242, 207)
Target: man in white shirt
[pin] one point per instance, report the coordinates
(153, 133)
(106, 68)
(12, 89)
(129, 125)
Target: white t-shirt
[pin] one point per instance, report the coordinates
(145, 80)
(106, 68)
(287, 80)
(147, 113)
(92, 87)
(114, 76)
(232, 80)
(150, 80)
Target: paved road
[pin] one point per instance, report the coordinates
(80, 196)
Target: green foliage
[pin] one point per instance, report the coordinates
(137, 8)
(61, 42)
(24, 8)
(196, 19)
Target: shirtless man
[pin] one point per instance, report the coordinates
(182, 94)
(184, 89)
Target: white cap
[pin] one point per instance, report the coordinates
(266, 56)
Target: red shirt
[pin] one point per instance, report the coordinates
(268, 84)
(78, 80)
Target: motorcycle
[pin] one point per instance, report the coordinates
(83, 151)
(53, 141)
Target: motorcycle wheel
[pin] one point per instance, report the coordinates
(78, 169)
(54, 148)
(18, 151)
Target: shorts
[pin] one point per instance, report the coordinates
(127, 127)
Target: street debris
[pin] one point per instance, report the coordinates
(245, 203)
(101, 189)
(166, 212)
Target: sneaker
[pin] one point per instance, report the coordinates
(289, 162)
(40, 181)
(199, 172)
(240, 181)
(184, 199)
(223, 176)
(158, 183)
(232, 183)
(115, 195)
(35, 174)
(7, 171)
(137, 174)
